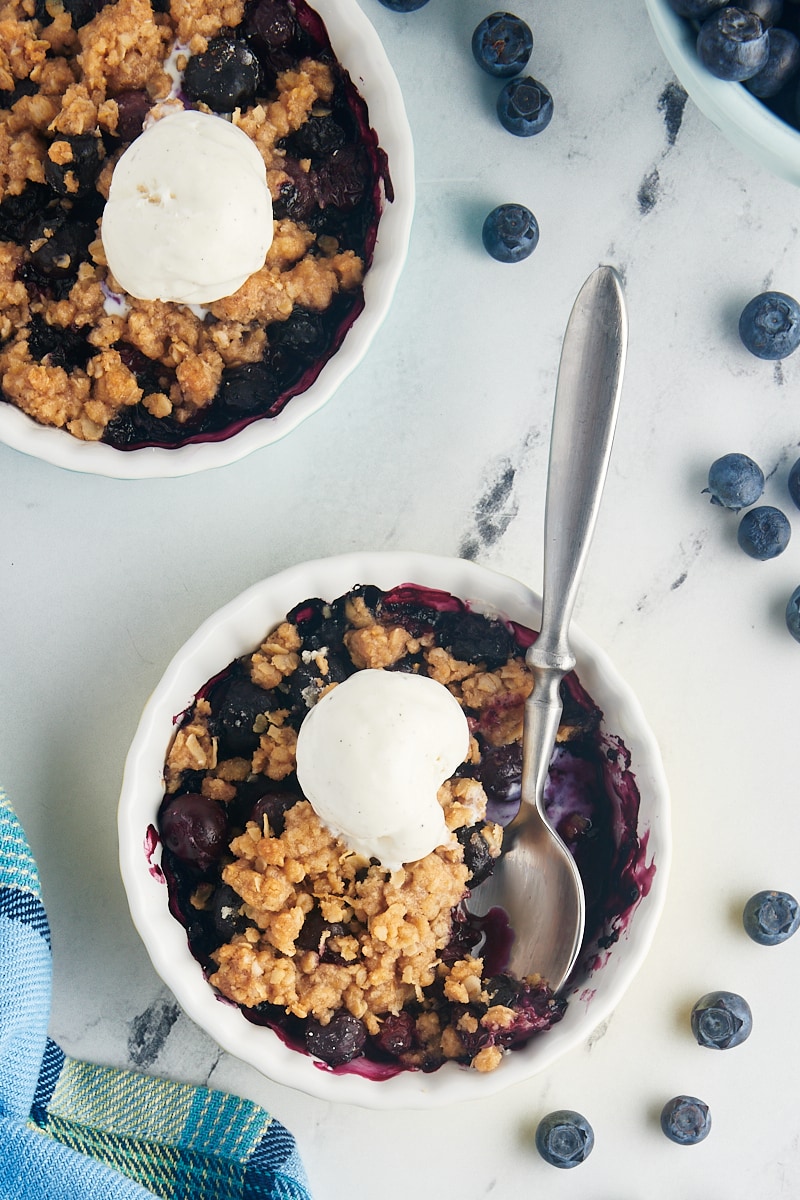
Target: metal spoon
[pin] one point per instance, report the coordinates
(536, 880)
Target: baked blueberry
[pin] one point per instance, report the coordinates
(397, 1035)
(733, 44)
(721, 1020)
(271, 23)
(19, 213)
(246, 389)
(133, 106)
(510, 233)
(764, 532)
(318, 138)
(195, 828)
(237, 705)
(769, 325)
(59, 246)
(735, 481)
(225, 76)
(76, 176)
(564, 1138)
(338, 1042)
(525, 106)
(686, 1120)
(477, 858)
(226, 912)
(340, 180)
(502, 44)
(471, 637)
(771, 917)
(57, 346)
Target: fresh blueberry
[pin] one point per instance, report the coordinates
(733, 44)
(721, 1020)
(794, 483)
(770, 11)
(510, 233)
(770, 325)
(770, 918)
(564, 1138)
(403, 5)
(502, 44)
(696, 10)
(793, 614)
(524, 106)
(735, 481)
(686, 1120)
(764, 532)
(782, 65)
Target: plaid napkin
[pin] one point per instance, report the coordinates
(73, 1131)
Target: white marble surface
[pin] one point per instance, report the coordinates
(438, 443)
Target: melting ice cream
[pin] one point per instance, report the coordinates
(371, 756)
(189, 213)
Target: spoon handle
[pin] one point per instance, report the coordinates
(584, 419)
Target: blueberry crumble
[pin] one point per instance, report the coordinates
(366, 968)
(79, 82)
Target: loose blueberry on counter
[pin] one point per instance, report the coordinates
(794, 483)
(564, 1138)
(770, 325)
(686, 1120)
(403, 6)
(735, 481)
(721, 1020)
(733, 44)
(525, 106)
(793, 614)
(771, 917)
(502, 44)
(510, 233)
(764, 532)
(782, 65)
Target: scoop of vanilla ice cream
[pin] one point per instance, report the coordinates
(371, 756)
(189, 213)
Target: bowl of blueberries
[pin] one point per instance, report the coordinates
(333, 950)
(741, 66)
(198, 259)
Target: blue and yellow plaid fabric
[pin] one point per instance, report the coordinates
(73, 1131)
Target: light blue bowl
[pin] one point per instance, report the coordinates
(746, 122)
